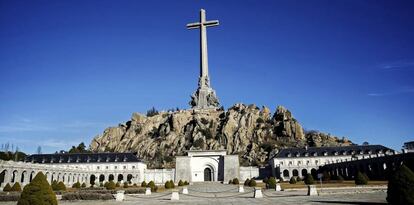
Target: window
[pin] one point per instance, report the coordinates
(290, 163)
(316, 162)
(107, 167)
(97, 167)
(307, 162)
(116, 167)
(133, 167)
(281, 163)
(299, 163)
(125, 167)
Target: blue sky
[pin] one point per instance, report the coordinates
(69, 69)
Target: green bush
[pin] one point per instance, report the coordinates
(292, 180)
(360, 179)
(401, 186)
(55, 185)
(236, 181)
(180, 183)
(135, 185)
(38, 192)
(61, 187)
(126, 185)
(247, 182)
(271, 183)
(76, 185)
(151, 184)
(83, 185)
(340, 178)
(16, 187)
(172, 184)
(7, 188)
(144, 184)
(119, 184)
(309, 179)
(167, 185)
(154, 189)
(186, 183)
(252, 183)
(110, 185)
(230, 181)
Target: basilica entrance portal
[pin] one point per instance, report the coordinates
(207, 174)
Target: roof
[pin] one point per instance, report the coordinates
(331, 151)
(82, 158)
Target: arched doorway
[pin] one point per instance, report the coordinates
(304, 172)
(207, 174)
(92, 179)
(111, 177)
(120, 177)
(295, 173)
(2, 177)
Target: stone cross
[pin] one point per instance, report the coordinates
(202, 25)
(204, 97)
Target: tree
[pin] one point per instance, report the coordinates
(309, 179)
(76, 185)
(16, 187)
(236, 181)
(401, 186)
(292, 180)
(61, 186)
(252, 183)
(54, 185)
(180, 183)
(152, 112)
(144, 184)
(7, 188)
(38, 192)
(246, 183)
(360, 179)
(271, 183)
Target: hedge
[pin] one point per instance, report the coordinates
(360, 179)
(401, 186)
(309, 179)
(271, 183)
(292, 180)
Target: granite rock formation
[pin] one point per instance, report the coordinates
(253, 133)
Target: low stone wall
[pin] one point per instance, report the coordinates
(159, 176)
(248, 172)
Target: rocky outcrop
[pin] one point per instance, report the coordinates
(247, 130)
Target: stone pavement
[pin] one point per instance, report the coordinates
(217, 194)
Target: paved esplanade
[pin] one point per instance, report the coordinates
(205, 96)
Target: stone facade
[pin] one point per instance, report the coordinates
(301, 161)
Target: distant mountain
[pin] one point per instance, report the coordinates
(247, 130)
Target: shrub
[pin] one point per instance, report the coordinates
(13, 196)
(83, 185)
(292, 180)
(135, 185)
(135, 191)
(151, 184)
(76, 185)
(55, 185)
(180, 183)
(144, 184)
(247, 182)
(7, 188)
(340, 178)
(167, 185)
(87, 196)
(16, 187)
(172, 184)
(119, 184)
(309, 179)
(252, 183)
(154, 189)
(186, 183)
(236, 181)
(230, 181)
(271, 183)
(126, 184)
(101, 184)
(38, 192)
(400, 186)
(61, 187)
(110, 185)
(360, 179)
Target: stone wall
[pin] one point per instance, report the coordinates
(159, 176)
(248, 172)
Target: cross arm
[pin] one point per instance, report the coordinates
(211, 23)
(193, 25)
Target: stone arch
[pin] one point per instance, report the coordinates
(23, 177)
(111, 177)
(14, 176)
(314, 173)
(3, 177)
(101, 178)
(129, 178)
(295, 173)
(304, 172)
(208, 174)
(92, 179)
(32, 175)
(285, 173)
(120, 177)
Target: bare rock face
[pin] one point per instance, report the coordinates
(243, 129)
